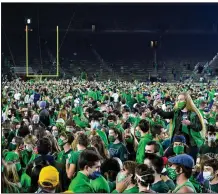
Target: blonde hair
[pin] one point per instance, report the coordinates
(10, 172)
(30, 139)
(190, 106)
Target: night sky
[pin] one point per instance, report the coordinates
(146, 16)
(151, 15)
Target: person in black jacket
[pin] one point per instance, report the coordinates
(186, 121)
(44, 114)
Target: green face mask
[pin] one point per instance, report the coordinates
(138, 134)
(172, 173)
(111, 124)
(111, 139)
(61, 142)
(178, 150)
(129, 140)
(12, 147)
(120, 177)
(181, 105)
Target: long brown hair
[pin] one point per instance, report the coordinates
(10, 178)
(190, 106)
(99, 145)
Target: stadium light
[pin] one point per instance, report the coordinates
(28, 21)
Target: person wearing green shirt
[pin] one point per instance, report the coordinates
(143, 129)
(126, 115)
(71, 165)
(159, 134)
(181, 168)
(109, 169)
(89, 164)
(112, 122)
(128, 170)
(210, 146)
(29, 144)
(100, 184)
(210, 174)
(116, 147)
(65, 140)
(155, 161)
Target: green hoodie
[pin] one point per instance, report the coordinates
(140, 154)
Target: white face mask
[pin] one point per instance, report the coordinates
(29, 147)
(55, 133)
(69, 129)
(95, 124)
(207, 176)
(211, 138)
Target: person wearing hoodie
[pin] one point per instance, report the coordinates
(44, 114)
(145, 137)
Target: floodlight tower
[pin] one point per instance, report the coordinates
(28, 22)
(154, 46)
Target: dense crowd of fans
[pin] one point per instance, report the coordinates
(77, 136)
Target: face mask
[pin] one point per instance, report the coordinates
(111, 139)
(207, 176)
(172, 173)
(12, 146)
(129, 140)
(29, 148)
(178, 150)
(120, 177)
(55, 133)
(125, 118)
(61, 142)
(95, 125)
(69, 129)
(94, 175)
(138, 134)
(212, 138)
(181, 105)
(111, 124)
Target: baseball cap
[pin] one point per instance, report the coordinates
(179, 138)
(182, 159)
(49, 174)
(42, 104)
(13, 157)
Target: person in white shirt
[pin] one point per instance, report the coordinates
(27, 99)
(115, 95)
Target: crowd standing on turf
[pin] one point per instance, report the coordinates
(78, 136)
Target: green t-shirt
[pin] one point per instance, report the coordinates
(112, 186)
(25, 157)
(80, 122)
(118, 150)
(81, 184)
(170, 184)
(74, 158)
(120, 128)
(210, 151)
(33, 157)
(100, 185)
(209, 188)
(160, 187)
(63, 156)
(140, 154)
(25, 182)
(134, 189)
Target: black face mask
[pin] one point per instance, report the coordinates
(9, 116)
